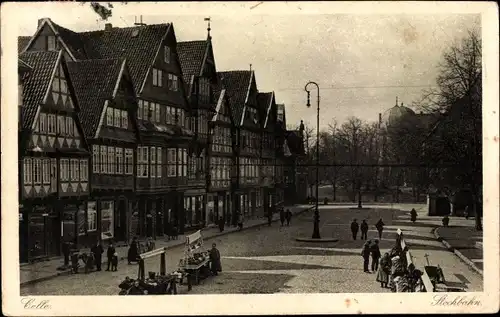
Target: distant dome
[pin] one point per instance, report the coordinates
(396, 115)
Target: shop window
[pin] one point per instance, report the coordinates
(107, 225)
(91, 216)
(80, 221)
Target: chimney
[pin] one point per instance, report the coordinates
(108, 27)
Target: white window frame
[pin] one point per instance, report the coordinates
(117, 118)
(28, 171)
(152, 159)
(84, 171)
(74, 170)
(46, 171)
(104, 159)
(166, 54)
(159, 162)
(152, 110)
(42, 122)
(69, 126)
(51, 43)
(37, 171)
(64, 169)
(61, 125)
(157, 77)
(111, 160)
(129, 161)
(124, 119)
(157, 113)
(119, 160)
(140, 109)
(51, 123)
(109, 116)
(92, 217)
(95, 159)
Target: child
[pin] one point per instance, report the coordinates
(114, 262)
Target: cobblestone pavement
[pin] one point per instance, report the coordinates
(270, 260)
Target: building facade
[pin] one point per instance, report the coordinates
(125, 132)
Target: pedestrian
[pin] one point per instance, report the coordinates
(364, 230)
(446, 221)
(365, 253)
(282, 216)
(97, 250)
(384, 270)
(413, 215)
(288, 217)
(380, 227)
(65, 250)
(325, 201)
(240, 221)
(375, 253)
(354, 229)
(133, 252)
(111, 250)
(215, 265)
(114, 262)
(221, 224)
(466, 212)
(269, 218)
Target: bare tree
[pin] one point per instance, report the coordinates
(458, 136)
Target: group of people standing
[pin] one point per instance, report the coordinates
(370, 248)
(285, 215)
(364, 229)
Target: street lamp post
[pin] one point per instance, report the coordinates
(315, 234)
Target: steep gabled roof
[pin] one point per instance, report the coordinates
(73, 41)
(22, 42)
(22, 65)
(94, 82)
(295, 142)
(191, 56)
(237, 84)
(38, 82)
(265, 102)
(139, 45)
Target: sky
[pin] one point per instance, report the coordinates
(361, 62)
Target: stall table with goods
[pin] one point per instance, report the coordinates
(155, 283)
(196, 261)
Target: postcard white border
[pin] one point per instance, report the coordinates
(253, 304)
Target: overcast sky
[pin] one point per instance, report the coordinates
(345, 54)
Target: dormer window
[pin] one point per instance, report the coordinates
(166, 54)
(51, 43)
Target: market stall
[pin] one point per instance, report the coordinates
(155, 283)
(196, 262)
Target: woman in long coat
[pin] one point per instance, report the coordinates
(384, 269)
(133, 252)
(215, 260)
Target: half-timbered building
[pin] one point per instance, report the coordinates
(54, 159)
(242, 90)
(200, 77)
(223, 160)
(267, 109)
(107, 101)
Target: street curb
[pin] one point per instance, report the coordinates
(218, 234)
(457, 253)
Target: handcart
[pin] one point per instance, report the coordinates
(196, 264)
(156, 283)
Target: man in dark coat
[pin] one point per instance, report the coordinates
(133, 252)
(215, 265)
(221, 224)
(282, 217)
(110, 252)
(97, 250)
(375, 253)
(365, 253)
(65, 250)
(364, 230)
(354, 229)
(288, 217)
(380, 227)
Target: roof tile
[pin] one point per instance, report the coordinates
(191, 56)
(94, 82)
(37, 82)
(22, 42)
(236, 83)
